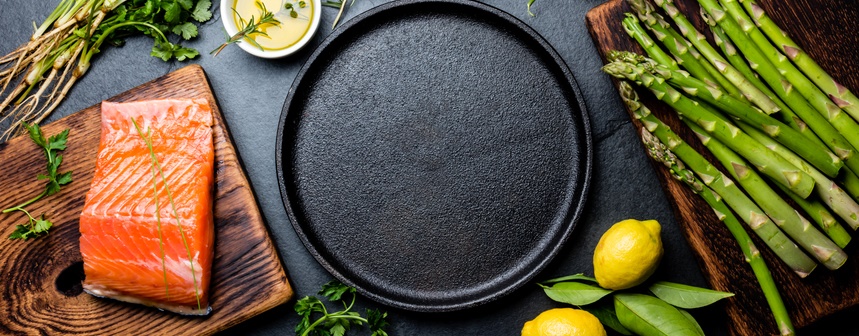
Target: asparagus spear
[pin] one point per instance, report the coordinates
(839, 94)
(660, 153)
(835, 141)
(739, 63)
(835, 197)
(817, 155)
(766, 160)
(848, 178)
(822, 217)
(698, 40)
(788, 219)
(750, 213)
(630, 24)
(772, 63)
(682, 50)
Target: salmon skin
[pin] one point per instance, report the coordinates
(120, 242)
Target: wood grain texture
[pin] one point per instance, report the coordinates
(824, 28)
(41, 279)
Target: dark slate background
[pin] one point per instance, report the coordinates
(251, 91)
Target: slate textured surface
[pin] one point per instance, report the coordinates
(251, 91)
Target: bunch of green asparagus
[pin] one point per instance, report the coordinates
(769, 114)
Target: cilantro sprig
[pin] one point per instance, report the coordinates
(339, 322)
(157, 19)
(36, 227)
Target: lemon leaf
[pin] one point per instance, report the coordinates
(692, 319)
(608, 318)
(648, 315)
(579, 276)
(575, 293)
(685, 296)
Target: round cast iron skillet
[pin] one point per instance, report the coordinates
(434, 154)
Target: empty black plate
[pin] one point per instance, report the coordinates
(434, 154)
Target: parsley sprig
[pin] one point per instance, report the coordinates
(339, 322)
(38, 226)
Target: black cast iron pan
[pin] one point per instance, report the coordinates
(435, 154)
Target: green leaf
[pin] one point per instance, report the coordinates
(183, 53)
(186, 4)
(573, 277)
(171, 12)
(148, 8)
(337, 330)
(42, 225)
(649, 316)
(575, 293)
(51, 188)
(187, 30)
(64, 178)
(377, 321)
(307, 305)
(58, 141)
(35, 134)
(162, 50)
(334, 290)
(692, 319)
(685, 296)
(305, 308)
(608, 318)
(21, 232)
(55, 166)
(201, 11)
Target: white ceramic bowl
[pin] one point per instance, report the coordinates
(230, 25)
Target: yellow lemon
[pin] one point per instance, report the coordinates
(564, 322)
(627, 254)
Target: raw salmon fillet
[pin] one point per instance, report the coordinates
(120, 242)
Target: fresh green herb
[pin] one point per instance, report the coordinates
(148, 139)
(156, 166)
(339, 322)
(61, 49)
(530, 2)
(250, 27)
(339, 5)
(38, 226)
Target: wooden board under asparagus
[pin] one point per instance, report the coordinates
(777, 128)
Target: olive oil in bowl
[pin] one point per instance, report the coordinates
(296, 23)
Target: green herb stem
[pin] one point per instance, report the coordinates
(148, 140)
(22, 205)
(249, 28)
(156, 166)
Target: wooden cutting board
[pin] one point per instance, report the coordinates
(40, 280)
(825, 29)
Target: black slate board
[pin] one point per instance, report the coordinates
(432, 169)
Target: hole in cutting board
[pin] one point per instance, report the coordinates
(70, 281)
